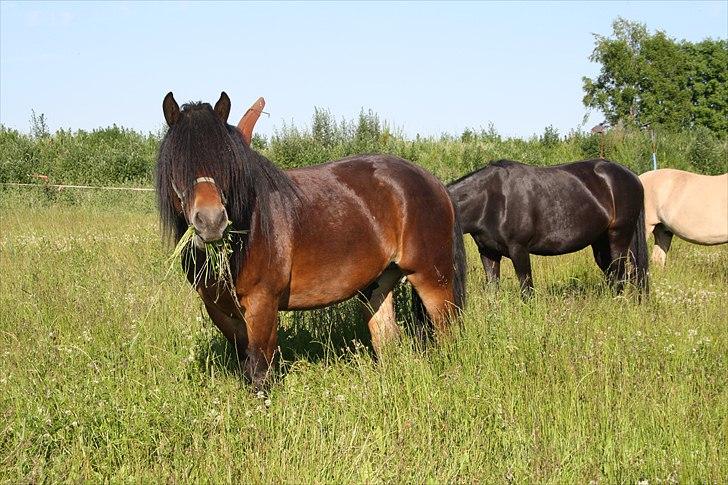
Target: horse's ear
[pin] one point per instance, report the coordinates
(222, 107)
(170, 109)
(247, 122)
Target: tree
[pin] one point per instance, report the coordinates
(653, 79)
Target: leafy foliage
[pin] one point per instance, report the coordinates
(115, 155)
(111, 155)
(654, 79)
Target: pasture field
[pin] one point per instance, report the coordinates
(111, 371)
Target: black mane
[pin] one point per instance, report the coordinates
(503, 163)
(201, 144)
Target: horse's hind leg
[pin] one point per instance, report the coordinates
(379, 310)
(618, 247)
(437, 295)
(663, 239)
(602, 255)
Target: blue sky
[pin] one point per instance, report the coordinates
(426, 68)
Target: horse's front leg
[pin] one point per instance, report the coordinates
(522, 264)
(261, 322)
(232, 328)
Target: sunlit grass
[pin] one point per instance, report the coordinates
(110, 370)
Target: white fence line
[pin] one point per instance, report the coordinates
(60, 186)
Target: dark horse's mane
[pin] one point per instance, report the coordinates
(200, 142)
(503, 163)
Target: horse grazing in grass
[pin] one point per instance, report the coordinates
(514, 210)
(305, 238)
(693, 207)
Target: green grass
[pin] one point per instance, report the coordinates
(110, 371)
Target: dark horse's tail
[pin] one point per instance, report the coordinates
(459, 274)
(640, 261)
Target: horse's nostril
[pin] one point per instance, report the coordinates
(197, 219)
(221, 217)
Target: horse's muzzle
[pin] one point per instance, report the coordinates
(209, 222)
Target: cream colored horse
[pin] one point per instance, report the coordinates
(693, 207)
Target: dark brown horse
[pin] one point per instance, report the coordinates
(305, 238)
(513, 210)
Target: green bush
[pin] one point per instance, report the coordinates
(116, 155)
(104, 156)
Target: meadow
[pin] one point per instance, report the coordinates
(111, 371)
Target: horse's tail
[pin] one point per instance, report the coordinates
(459, 261)
(638, 247)
(459, 274)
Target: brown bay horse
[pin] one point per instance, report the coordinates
(514, 210)
(305, 238)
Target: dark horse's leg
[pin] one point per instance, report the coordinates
(663, 239)
(611, 253)
(522, 264)
(602, 256)
(491, 263)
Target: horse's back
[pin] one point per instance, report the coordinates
(376, 183)
(692, 206)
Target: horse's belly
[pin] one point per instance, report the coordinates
(317, 285)
(699, 223)
(555, 250)
(568, 238)
(695, 208)
(707, 234)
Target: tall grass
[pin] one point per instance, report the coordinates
(111, 372)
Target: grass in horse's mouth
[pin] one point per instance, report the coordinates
(216, 265)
